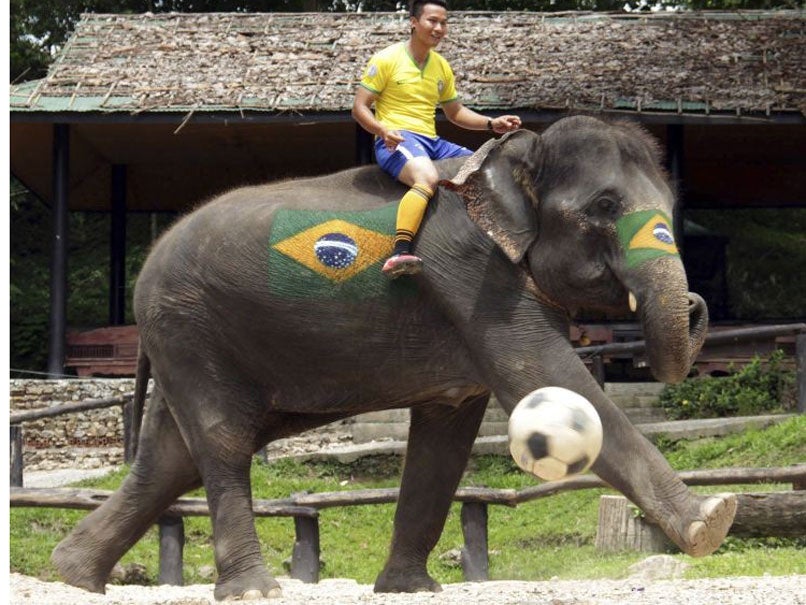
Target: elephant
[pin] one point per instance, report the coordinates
(263, 313)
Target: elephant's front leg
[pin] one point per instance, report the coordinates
(440, 441)
(630, 463)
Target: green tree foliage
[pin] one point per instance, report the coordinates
(29, 279)
(757, 388)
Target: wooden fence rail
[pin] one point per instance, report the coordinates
(767, 513)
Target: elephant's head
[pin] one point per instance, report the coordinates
(586, 209)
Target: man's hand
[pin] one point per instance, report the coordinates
(392, 138)
(503, 124)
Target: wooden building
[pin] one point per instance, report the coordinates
(159, 112)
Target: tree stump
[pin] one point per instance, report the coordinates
(758, 514)
(621, 529)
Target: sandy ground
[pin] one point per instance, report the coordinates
(767, 590)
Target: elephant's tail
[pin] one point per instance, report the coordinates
(138, 403)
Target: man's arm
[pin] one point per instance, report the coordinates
(362, 113)
(467, 118)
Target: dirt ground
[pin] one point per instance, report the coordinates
(767, 590)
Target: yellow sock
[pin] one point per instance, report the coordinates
(410, 214)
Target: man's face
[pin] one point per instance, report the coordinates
(431, 26)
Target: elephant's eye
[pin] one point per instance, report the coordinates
(606, 206)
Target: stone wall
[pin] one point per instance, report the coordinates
(89, 439)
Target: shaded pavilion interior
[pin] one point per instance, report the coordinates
(169, 159)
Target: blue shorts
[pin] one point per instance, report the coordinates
(415, 146)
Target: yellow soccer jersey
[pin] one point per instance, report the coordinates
(407, 96)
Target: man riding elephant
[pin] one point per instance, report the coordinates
(405, 82)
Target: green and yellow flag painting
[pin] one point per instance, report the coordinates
(645, 235)
(315, 253)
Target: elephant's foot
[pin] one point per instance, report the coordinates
(75, 569)
(253, 584)
(704, 531)
(406, 580)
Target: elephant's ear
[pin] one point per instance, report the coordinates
(497, 184)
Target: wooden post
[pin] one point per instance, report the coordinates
(598, 369)
(129, 445)
(621, 530)
(57, 334)
(117, 247)
(305, 557)
(15, 457)
(475, 560)
(172, 544)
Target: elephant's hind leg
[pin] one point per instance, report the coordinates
(242, 572)
(222, 444)
(162, 471)
(440, 441)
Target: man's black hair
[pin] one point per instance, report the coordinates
(416, 6)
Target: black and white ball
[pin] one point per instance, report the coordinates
(554, 432)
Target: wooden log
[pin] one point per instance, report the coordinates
(15, 456)
(794, 474)
(773, 514)
(622, 529)
(69, 408)
(305, 555)
(172, 545)
(88, 499)
(475, 560)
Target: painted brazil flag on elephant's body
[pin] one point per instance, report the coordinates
(316, 253)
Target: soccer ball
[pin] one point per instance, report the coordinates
(554, 432)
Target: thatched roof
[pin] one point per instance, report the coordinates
(702, 62)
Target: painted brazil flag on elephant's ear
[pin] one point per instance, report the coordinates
(645, 235)
(315, 253)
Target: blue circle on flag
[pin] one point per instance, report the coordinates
(661, 232)
(336, 250)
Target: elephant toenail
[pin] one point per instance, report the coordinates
(252, 595)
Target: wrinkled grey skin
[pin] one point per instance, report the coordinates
(236, 367)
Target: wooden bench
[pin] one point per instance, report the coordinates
(108, 351)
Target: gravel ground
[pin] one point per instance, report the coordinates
(767, 590)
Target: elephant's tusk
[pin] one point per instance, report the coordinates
(633, 302)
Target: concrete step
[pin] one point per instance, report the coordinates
(638, 400)
(643, 415)
(497, 444)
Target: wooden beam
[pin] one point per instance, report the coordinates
(68, 408)
(57, 334)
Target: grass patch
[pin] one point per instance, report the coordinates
(539, 540)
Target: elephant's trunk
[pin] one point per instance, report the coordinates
(675, 323)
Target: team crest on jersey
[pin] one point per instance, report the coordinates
(314, 253)
(440, 86)
(646, 235)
